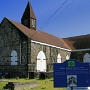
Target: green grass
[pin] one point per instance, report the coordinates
(2, 84)
(46, 84)
(5, 81)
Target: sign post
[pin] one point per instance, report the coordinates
(71, 73)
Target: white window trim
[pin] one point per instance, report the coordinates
(33, 23)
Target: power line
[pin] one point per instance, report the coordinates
(54, 18)
(60, 13)
(54, 13)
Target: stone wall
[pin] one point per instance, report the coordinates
(51, 56)
(10, 39)
(78, 55)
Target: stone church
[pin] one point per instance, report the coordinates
(28, 52)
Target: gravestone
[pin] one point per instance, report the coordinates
(10, 86)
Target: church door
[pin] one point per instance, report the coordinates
(14, 58)
(41, 62)
(86, 58)
(59, 58)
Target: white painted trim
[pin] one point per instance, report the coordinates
(50, 45)
(78, 50)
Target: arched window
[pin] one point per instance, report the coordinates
(41, 62)
(59, 58)
(86, 58)
(67, 57)
(14, 58)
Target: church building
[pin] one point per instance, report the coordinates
(28, 52)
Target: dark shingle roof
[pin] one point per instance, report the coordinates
(78, 42)
(29, 11)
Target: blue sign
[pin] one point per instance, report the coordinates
(71, 73)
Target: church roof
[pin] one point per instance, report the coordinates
(71, 43)
(41, 36)
(78, 42)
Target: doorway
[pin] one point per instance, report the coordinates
(41, 62)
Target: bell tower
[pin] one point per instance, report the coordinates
(28, 19)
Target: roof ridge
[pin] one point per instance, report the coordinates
(77, 36)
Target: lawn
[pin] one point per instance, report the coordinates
(46, 84)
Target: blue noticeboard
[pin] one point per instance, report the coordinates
(71, 73)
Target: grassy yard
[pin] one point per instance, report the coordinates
(2, 84)
(46, 84)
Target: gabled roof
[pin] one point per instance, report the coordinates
(29, 11)
(78, 42)
(40, 36)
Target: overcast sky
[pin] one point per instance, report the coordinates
(72, 19)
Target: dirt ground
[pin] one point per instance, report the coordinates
(21, 86)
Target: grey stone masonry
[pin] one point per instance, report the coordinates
(10, 39)
(50, 53)
(79, 55)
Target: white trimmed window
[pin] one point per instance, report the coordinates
(59, 58)
(14, 58)
(86, 58)
(67, 57)
(33, 23)
(41, 62)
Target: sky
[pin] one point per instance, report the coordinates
(63, 18)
